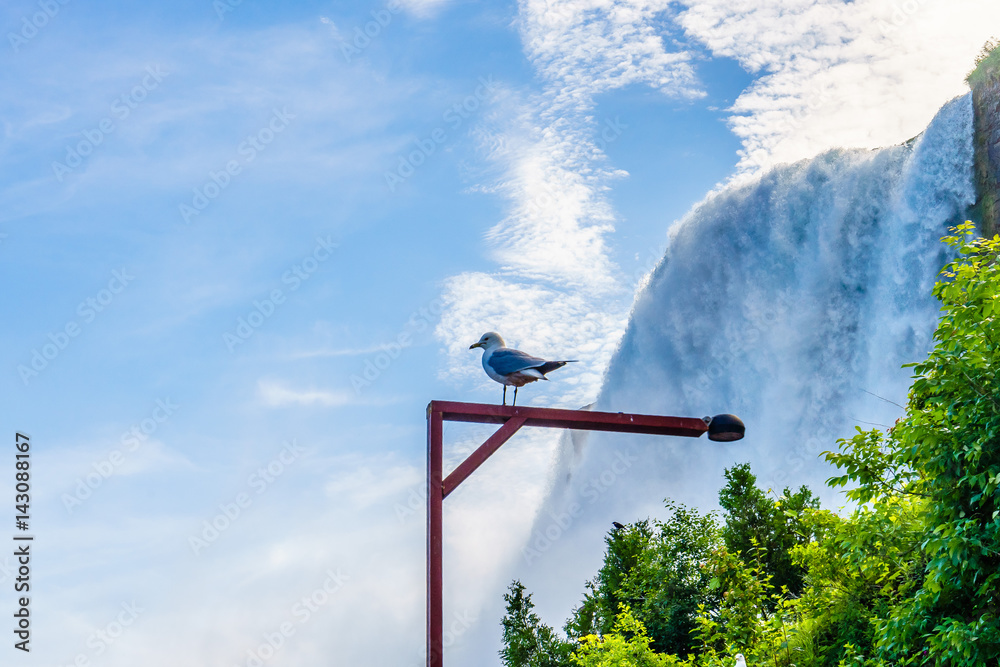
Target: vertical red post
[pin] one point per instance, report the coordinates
(511, 419)
(435, 497)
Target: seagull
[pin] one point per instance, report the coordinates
(512, 367)
(740, 662)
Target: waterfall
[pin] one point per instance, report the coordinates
(792, 302)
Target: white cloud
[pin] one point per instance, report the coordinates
(327, 352)
(89, 466)
(585, 47)
(275, 394)
(248, 580)
(154, 456)
(171, 139)
(558, 218)
(366, 481)
(859, 74)
(422, 8)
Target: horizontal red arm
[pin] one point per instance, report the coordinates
(572, 419)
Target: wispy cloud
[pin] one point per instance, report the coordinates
(557, 287)
(422, 8)
(275, 394)
(583, 48)
(366, 481)
(332, 352)
(170, 140)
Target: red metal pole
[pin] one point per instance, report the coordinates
(435, 594)
(511, 419)
(585, 420)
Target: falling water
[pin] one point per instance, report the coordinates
(791, 302)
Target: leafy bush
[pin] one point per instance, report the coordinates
(911, 576)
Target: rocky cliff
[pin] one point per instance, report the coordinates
(985, 83)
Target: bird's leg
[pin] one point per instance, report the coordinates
(515, 396)
(505, 394)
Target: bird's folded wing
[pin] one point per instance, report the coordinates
(509, 361)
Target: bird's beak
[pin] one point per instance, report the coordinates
(475, 345)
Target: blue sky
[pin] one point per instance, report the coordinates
(539, 202)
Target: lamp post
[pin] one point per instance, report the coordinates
(723, 428)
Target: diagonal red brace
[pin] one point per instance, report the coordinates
(511, 419)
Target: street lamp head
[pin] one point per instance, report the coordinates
(725, 428)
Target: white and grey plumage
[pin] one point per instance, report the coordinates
(512, 368)
(740, 661)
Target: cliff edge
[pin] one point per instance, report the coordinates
(985, 84)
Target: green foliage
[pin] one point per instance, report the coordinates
(627, 645)
(935, 475)
(669, 583)
(741, 623)
(586, 618)
(988, 59)
(625, 548)
(909, 576)
(655, 568)
(989, 47)
(753, 519)
(858, 567)
(951, 438)
(527, 641)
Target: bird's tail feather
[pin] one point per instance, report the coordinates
(550, 366)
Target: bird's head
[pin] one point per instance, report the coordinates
(488, 340)
(740, 660)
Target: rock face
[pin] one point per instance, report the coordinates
(985, 83)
